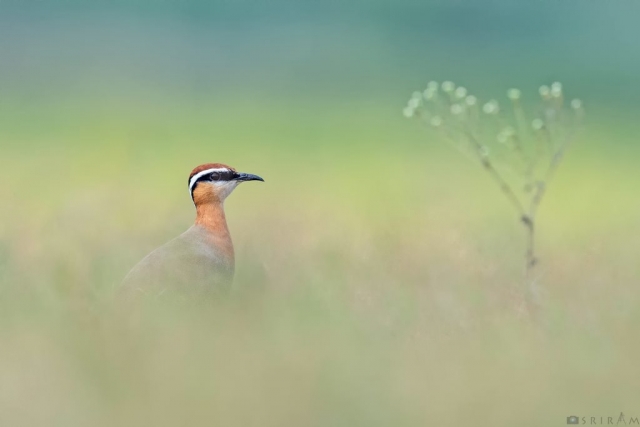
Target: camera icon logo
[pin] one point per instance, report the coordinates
(573, 420)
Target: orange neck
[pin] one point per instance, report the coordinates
(210, 216)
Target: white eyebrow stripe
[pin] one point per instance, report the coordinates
(199, 175)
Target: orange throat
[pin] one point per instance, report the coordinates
(210, 216)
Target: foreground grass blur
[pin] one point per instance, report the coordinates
(376, 282)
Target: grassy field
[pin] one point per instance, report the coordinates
(378, 275)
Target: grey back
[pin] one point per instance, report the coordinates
(188, 265)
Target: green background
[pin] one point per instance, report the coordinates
(378, 278)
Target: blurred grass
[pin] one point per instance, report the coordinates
(377, 278)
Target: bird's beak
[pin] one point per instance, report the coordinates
(240, 176)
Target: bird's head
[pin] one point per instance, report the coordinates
(213, 182)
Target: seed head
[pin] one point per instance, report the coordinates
(408, 112)
(556, 90)
(513, 94)
(537, 124)
(461, 92)
(414, 102)
(545, 92)
(576, 104)
(448, 86)
(429, 93)
(491, 107)
(471, 100)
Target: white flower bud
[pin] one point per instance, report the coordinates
(576, 104)
(544, 91)
(429, 94)
(537, 124)
(513, 94)
(436, 121)
(448, 86)
(556, 90)
(491, 107)
(408, 112)
(414, 102)
(461, 92)
(471, 100)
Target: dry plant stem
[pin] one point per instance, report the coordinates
(530, 260)
(527, 216)
(527, 219)
(502, 183)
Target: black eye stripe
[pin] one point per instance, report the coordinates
(222, 176)
(216, 176)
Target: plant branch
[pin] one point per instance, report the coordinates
(497, 177)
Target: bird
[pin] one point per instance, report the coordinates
(201, 260)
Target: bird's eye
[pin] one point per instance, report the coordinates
(215, 176)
